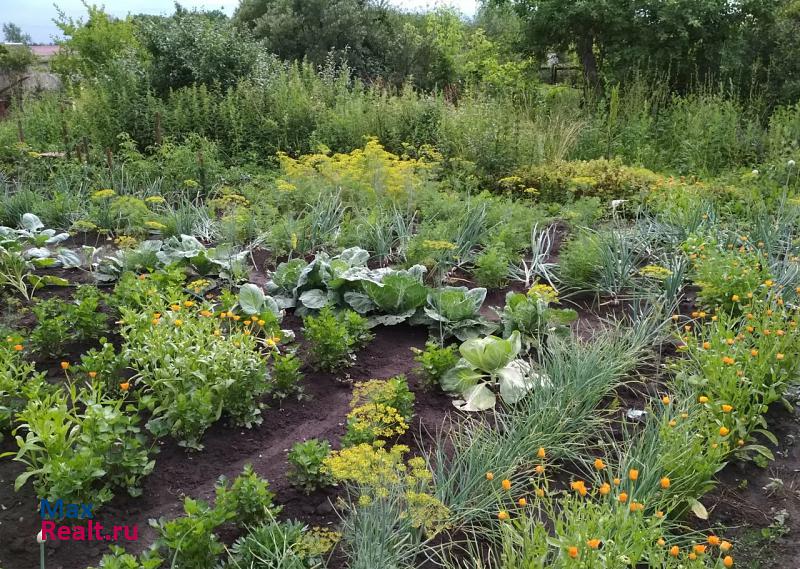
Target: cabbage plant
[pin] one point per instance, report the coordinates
(490, 367)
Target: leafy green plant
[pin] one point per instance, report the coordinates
(58, 323)
(334, 337)
(305, 464)
(287, 375)
(271, 544)
(191, 373)
(248, 499)
(19, 381)
(455, 311)
(190, 541)
(532, 316)
(487, 365)
(434, 361)
(492, 267)
(393, 392)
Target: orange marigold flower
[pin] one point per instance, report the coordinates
(506, 484)
(617, 481)
(604, 488)
(502, 515)
(661, 542)
(727, 408)
(124, 386)
(539, 469)
(623, 497)
(699, 548)
(725, 545)
(633, 474)
(18, 347)
(706, 345)
(713, 540)
(674, 551)
(723, 431)
(659, 514)
(92, 374)
(599, 464)
(65, 365)
(593, 543)
(540, 453)
(751, 329)
(673, 422)
(665, 483)
(728, 561)
(573, 552)
(692, 556)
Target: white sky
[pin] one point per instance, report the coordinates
(35, 17)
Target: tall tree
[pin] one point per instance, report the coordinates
(14, 34)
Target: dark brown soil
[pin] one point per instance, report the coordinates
(227, 450)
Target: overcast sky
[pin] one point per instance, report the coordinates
(35, 17)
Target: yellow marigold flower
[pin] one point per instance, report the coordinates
(768, 283)
(729, 341)
(723, 431)
(540, 453)
(735, 298)
(154, 321)
(661, 542)
(633, 474)
(599, 464)
(92, 374)
(659, 514)
(665, 400)
(539, 469)
(673, 422)
(490, 476)
(665, 483)
(692, 556)
(750, 329)
(604, 488)
(175, 307)
(699, 548)
(506, 484)
(188, 303)
(502, 515)
(65, 365)
(754, 352)
(779, 356)
(178, 322)
(261, 322)
(617, 481)
(540, 493)
(727, 408)
(713, 540)
(522, 502)
(725, 546)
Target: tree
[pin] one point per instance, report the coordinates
(13, 34)
(195, 47)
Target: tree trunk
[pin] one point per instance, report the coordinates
(585, 50)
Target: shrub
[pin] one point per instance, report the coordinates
(305, 464)
(565, 181)
(58, 323)
(287, 375)
(393, 392)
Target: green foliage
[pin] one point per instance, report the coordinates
(334, 337)
(192, 47)
(455, 311)
(19, 381)
(532, 316)
(82, 455)
(191, 540)
(434, 361)
(271, 544)
(287, 375)
(192, 373)
(59, 323)
(305, 465)
(491, 268)
(248, 499)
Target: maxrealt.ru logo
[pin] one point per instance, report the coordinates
(55, 514)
